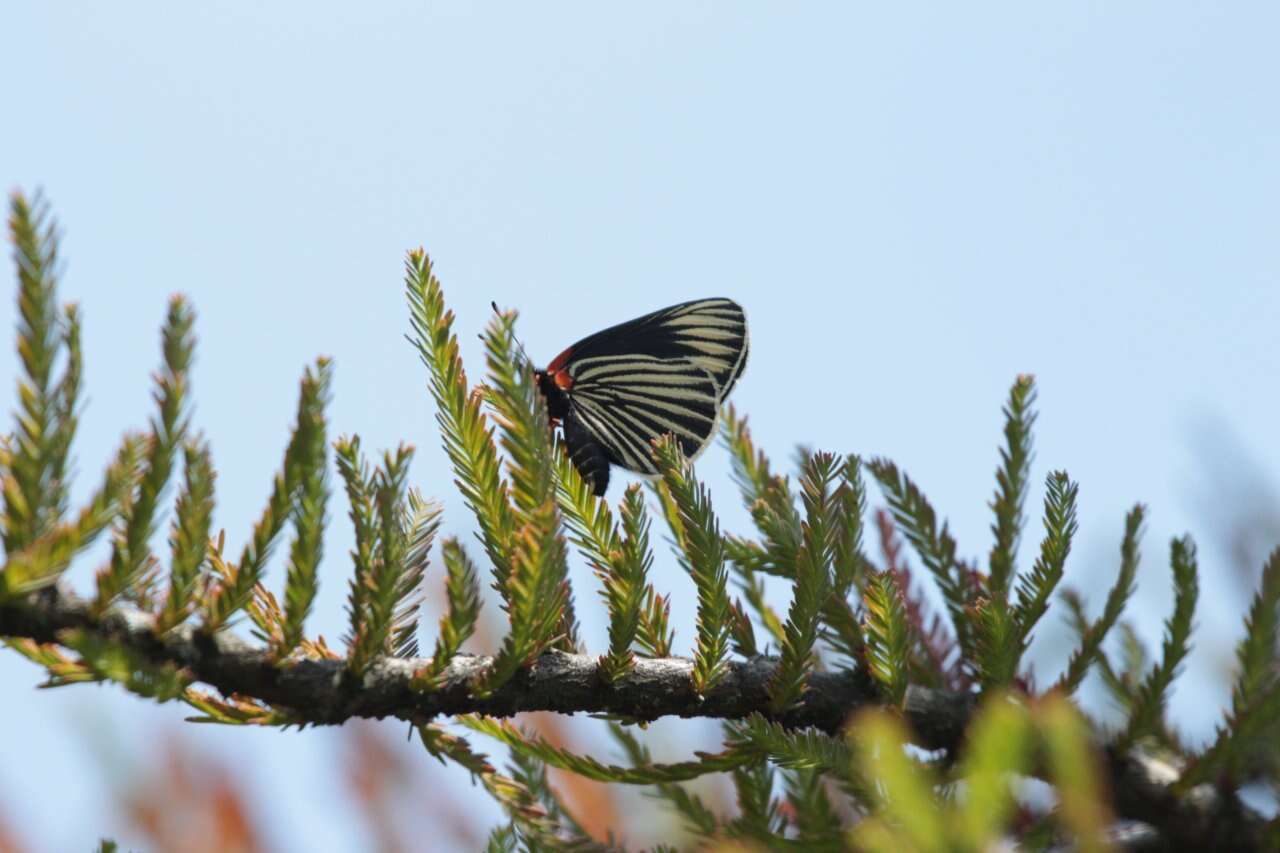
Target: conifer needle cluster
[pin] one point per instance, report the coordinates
(819, 698)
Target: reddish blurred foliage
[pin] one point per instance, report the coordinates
(398, 798)
(9, 842)
(374, 772)
(192, 803)
(934, 638)
(591, 803)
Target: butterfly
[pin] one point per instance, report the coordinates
(616, 391)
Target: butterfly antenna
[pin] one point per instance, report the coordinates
(519, 345)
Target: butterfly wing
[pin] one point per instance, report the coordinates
(626, 400)
(708, 333)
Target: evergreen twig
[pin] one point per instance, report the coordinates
(813, 587)
(697, 531)
(937, 549)
(131, 558)
(1091, 642)
(462, 593)
(1147, 713)
(1011, 485)
(189, 537)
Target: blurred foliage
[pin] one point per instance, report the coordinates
(866, 787)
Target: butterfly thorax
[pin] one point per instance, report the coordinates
(553, 386)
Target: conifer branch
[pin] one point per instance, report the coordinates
(803, 749)
(790, 742)
(358, 481)
(533, 577)
(537, 596)
(308, 514)
(468, 438)
(66, 409)
(742, 630)
(393, 581)
(43, 560)
(937, 549)
(1035, 590)
(35, 474)
(886, 632)
(759, 816)
(421, 519)
(769, 500)
(696, 530)
(521, 413)
(462, 609)
(655, 636)
(698, 818)
(403, 526)
(313, 691)
(621, 562)
(1011, 485)
(818, 821)
(752, 587)
(1147, 713)
(528, 816)
(842, 629)
(849, 564)
(237, 581)
(569, 835)
(652, 774)
(1091, 642)
(1248, 729)
(1257, 653)
(934, 659)
(189, 536)
(751, 469)
(996, 648)
(636, 598)
(813, 587)
(1251, 729)
(131, 557)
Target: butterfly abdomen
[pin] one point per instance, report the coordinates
(587, 455)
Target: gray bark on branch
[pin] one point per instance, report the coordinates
(324, 692)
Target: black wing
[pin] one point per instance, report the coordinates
(625, 401)
(708, 333)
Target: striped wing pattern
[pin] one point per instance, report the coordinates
(711, 333)
(627, 401)
(665, 372)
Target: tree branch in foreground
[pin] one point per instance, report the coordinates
(323, 692)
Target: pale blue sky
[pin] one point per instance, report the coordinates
(913, 202)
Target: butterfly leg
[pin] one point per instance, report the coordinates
(587, 455)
